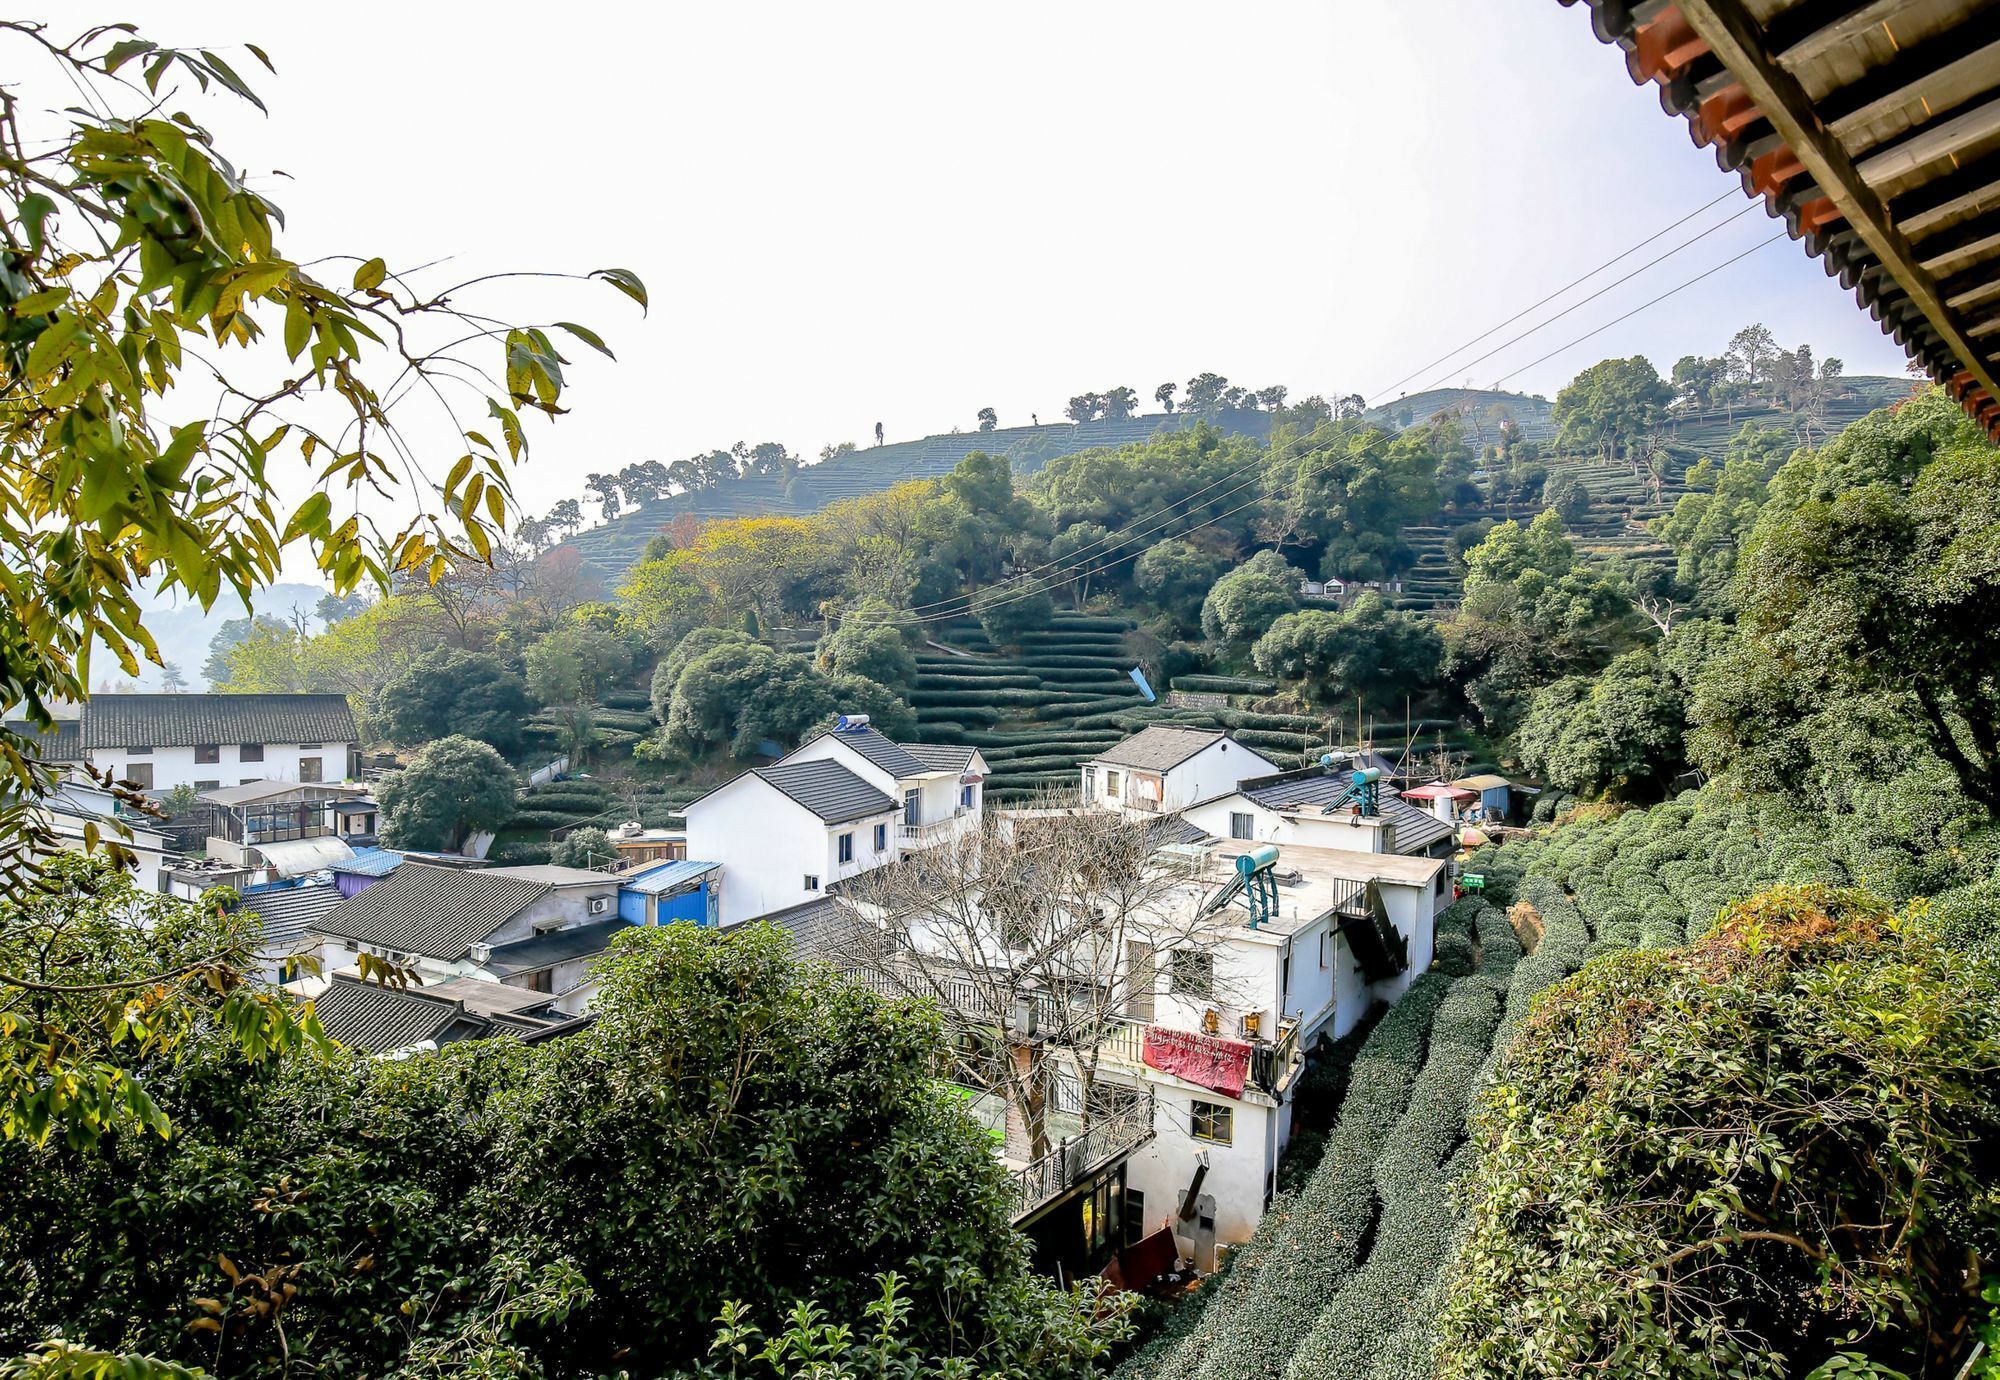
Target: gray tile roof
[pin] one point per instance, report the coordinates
(828, 789)
(288, 912)
(891, 757)
(818, 929)
(1415, 829)
(940, 756)
(381, 1020)
(114, 721)
(1159, 748)
(557, 946)
(440, 912)
(56, 743)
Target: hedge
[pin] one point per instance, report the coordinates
(1321, 1236)
(925, 684)
(545, 819)
(1224, 685)
(1081, 622)
(1082, 708)
(957, 715)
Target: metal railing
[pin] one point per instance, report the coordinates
(1075, 1159)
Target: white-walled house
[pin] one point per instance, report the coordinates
(1161, 769)
(783, 834)
(158, 742)
(536, 928)
(1316, 807)
(939, 787)
(1218, 1035)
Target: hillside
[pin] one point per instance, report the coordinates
(1477, 406)
(612, 548)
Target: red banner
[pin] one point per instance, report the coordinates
(1208, 1060)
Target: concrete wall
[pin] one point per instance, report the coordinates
(1237, 1172)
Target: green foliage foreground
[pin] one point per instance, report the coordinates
(733, 1127)
(1740, 1157)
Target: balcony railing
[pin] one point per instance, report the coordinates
(1077, 1158)
(1124, 1041)
(937, 831)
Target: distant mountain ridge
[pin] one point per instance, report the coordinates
(614, 547)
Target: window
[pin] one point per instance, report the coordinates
(141, 750)
(207, 785)
(140, 774)
(812, 882)
(310, 747)
(1326, 948)
(1090, 783)
(250, 752)
(1213, 1122)
(309, 769)
(968, 797)
(847, 848)
(1135, 1216)
(1193, 974)
(1239, 825)
(881, 838)
(247, 781)
(1114, 782)
(208, 752)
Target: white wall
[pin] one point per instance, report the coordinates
(1213, 770)
(175, 766)
(768, 843)
(1162, 1168)
(1344, 832)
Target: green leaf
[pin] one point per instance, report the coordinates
(35, 210)
(625, 280)
(588, 337)
(370, 275)
(125, 50)
(37, 303)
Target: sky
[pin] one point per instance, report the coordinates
(905, 212)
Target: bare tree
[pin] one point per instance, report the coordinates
(1041, 937)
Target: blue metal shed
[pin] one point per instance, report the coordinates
(668, 891)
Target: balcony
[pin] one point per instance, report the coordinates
(960, 823)
(1078, 1159)
(1123, 1042)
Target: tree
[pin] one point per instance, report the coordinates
(1752, 352)
(1177, 575)
(1271, 399)
(988, 420)
(1243, 604)
(332, 608)
(1878, 593)
(1368, 652)
(1206, 393)
(1082, 551)
(1849, 1046)
(449, 692)
(1617, 735)
(455, 788)
(1164, 396)
(233, 631)
(1348, 489)
(567, 515)
(1700, 383)
(1085, 407)
(172, 679)
(604, 487)
(1119, 403)
(816, 1103)
(1610, 406)
(1043, 916)
(133, 239)
(588, 847)
(694, 644)
(1568, 498)
(101, 984)
(742, 694)
(1006, 611)
(875, 651)
(569, 671)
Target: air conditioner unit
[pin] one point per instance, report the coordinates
(480, 953)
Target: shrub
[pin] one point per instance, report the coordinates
(1225, 685)
(1833, 1072)
(1320, 1238)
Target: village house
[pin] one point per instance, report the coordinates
(848, 801)
(78, 804)
(1161, 769)
(1324, 806)
(158, 742)
(395, 1021)
(538, 928)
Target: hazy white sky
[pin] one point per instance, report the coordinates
(908, 211)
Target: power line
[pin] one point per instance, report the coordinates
(1574, 282)
(1424, 369)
